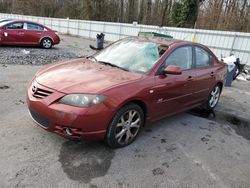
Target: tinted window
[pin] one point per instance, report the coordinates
(15, 26)
(34, 27)
(181, 57)
(202, 57)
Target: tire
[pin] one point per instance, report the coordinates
(213, 97)
(125, 126)
(237, 72)
(46, 43)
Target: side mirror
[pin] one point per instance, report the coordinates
(173, 69)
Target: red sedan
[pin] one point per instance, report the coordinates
(26, 33)
(111, 94)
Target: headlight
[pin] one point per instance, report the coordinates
(82, 100)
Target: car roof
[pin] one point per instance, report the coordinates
(26, 21)
(162, 41)
(6, 22)
(5, 19)
(13, 21)
(169, 41)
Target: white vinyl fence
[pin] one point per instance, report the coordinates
(222, 43)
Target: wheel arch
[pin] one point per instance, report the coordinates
(44, 37)
(142, 104)
(221, 85)
(138, 102)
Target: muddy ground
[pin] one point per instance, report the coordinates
(192, 149)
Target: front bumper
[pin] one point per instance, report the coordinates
(87, 123)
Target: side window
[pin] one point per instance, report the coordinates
(31, 26)
(202, 58)
(181, 57)
(15, 26)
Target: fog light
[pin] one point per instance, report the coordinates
(69, 131)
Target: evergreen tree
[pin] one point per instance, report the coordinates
(184, 13)
(175, 14)
(189, 13)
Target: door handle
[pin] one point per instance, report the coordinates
(21, 33)
(190, 78)
(38, 33)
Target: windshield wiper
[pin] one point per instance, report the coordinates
(112, 65)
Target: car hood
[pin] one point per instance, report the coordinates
(82, 75)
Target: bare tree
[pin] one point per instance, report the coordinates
(208, 14)
(122, 11)
(149, 6)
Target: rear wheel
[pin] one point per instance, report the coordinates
(125, 126)
(213, 97)
(237, 72)
(46, 43)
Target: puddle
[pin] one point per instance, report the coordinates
(241, 126)
(83, 161)
(208, 114)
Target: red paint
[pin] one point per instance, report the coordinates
(25, 36)
(162, 95)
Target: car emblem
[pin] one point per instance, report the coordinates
(34, 88)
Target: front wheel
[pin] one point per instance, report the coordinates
(46, 43)
(213, 97)
(125, 126)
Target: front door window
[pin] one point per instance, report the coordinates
(181, 57)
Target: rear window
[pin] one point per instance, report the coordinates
(202, 58)
(31, 26)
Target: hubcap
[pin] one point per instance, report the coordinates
(128, 126)
(214, 97)
(47, 43)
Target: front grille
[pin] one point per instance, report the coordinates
(41, 93)
(39, 119)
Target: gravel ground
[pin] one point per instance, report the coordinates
(70, 47)
(193, 149)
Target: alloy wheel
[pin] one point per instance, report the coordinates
(128, 126)
(47, 43)
(214, 97)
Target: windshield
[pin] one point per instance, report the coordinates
(131, 54)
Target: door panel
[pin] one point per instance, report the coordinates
(204, 74)
(204, 81)
(172, 94)
(13, 34)
(33, 33)
(32, 36)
